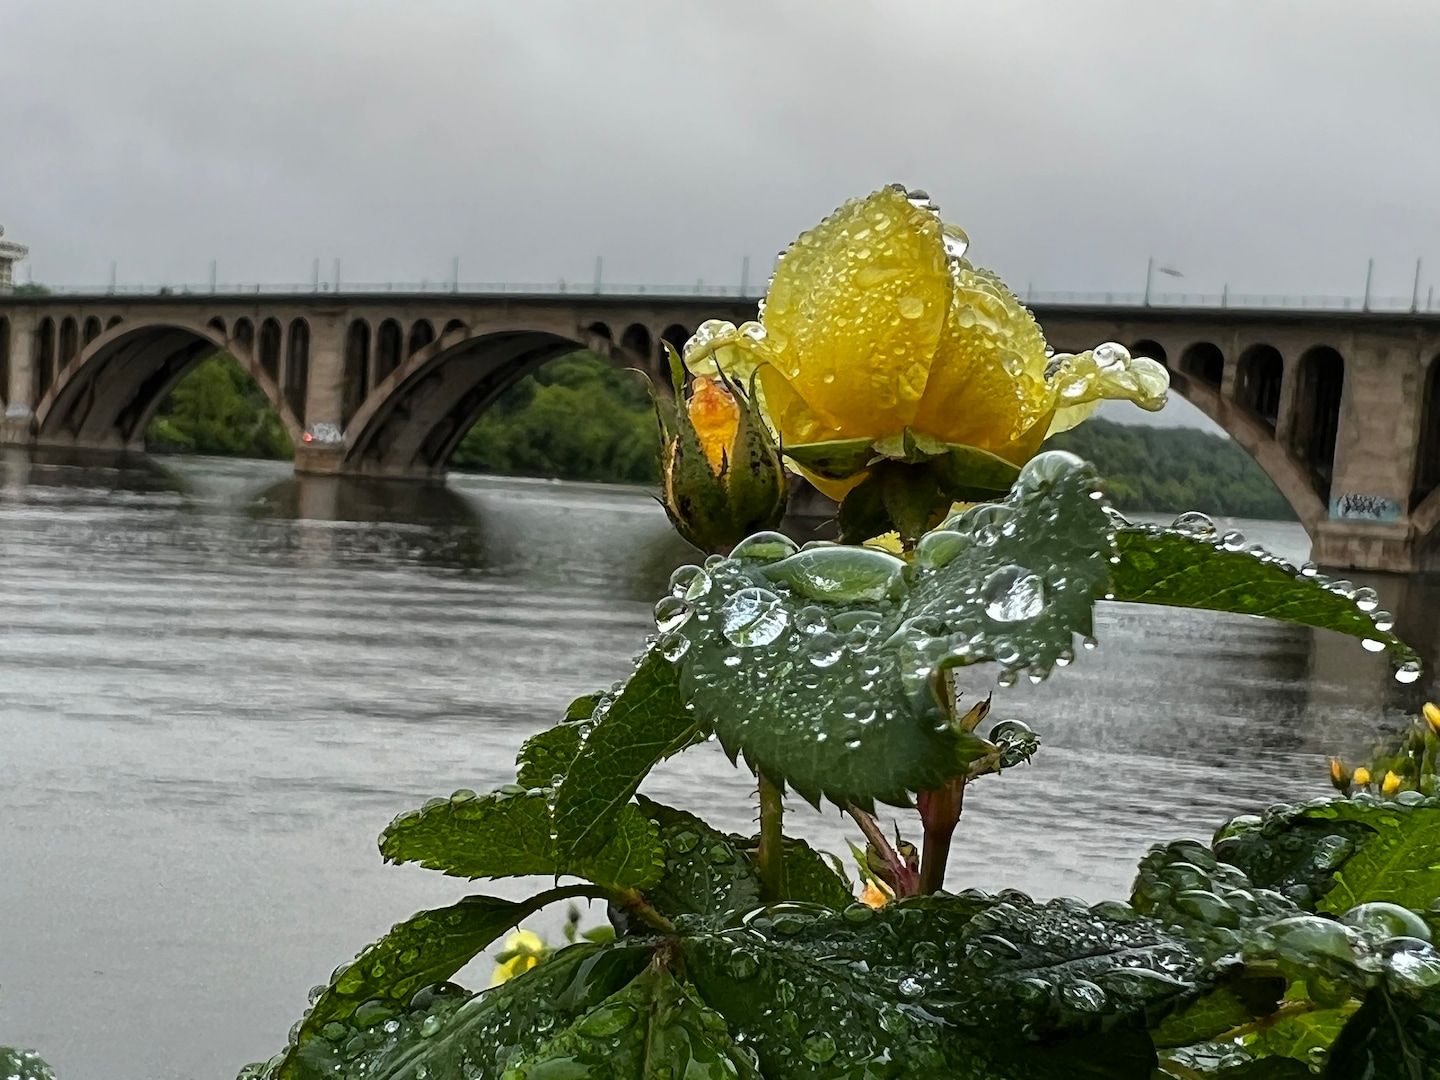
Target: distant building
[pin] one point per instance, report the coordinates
(10, 254)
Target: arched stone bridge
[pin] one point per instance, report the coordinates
(1341, 409)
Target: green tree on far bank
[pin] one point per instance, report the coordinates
(217, 409)
(579, 417)
(576, 418)
(1175, 468)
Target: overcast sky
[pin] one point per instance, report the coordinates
(1273, 146)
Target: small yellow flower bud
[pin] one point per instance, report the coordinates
(1361, 776)
(523, 950)
(715, 416)
(1390, 785)
(1339, 775)
(874, 896)
(721, 472)
(1432, 716)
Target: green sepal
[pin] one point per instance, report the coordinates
(837, 459)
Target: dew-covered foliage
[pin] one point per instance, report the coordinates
(23, 1065)
(898, 376)
(1293, 943)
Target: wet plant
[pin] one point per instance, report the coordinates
(905, 381)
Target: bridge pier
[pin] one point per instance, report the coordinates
(18, 426)
(321, 450)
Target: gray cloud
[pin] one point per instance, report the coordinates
(1272, 146)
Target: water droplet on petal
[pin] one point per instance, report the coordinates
(911, 307)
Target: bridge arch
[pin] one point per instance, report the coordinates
(92, 330)
(357, 368)
(1151, 348)
(1204, 361)
(105, 398)
(422, 333)
(415, 418)
(388, 347)
(297, 367)
(44, 359)
(1427, 455)
(1319, 392)
(4, 361)
(69, 341)
(1291, 476)
(269, 350)
(1259, 375)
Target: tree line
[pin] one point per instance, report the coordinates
(580, 418)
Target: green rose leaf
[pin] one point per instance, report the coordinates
(713, 874)
(705, 872)
(821, 666)
(961, 984)
(16, 1064)
(425, 949)
(1263, 1069)
(1226, 1007)
(449, 1034)
(1190, 569)
(642, 725)
(548, 755)
(1393, 1035)
(653, 1029)
(809, 877)
(1288, 850)
(508, 834)
(1335, 854)
(1302, 1036)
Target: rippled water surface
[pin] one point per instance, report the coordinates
(217, 685)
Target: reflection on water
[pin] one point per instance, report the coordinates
(220, 682)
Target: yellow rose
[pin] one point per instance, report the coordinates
(1390, 785)
(1361, 776)
(879, 340)
(1432, 716)
(523, 950)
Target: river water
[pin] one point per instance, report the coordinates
(217, 684)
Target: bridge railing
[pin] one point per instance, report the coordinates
(1041, 298)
